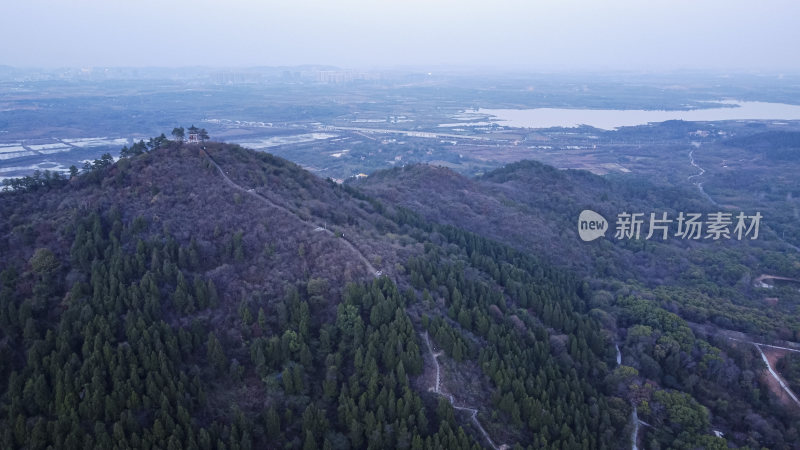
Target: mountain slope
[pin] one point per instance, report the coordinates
(534, 208)
(188, 298)
(528, 205)
(669, 304)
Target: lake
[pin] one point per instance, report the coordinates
(609, 119)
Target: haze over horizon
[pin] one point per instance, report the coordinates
(616, 35)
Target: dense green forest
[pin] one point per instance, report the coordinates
(776, 145)
(131, 317)
(789, 366)
(532, 207)
(116, 343)
(103, 368)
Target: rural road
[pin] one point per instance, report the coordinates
(410, 133)
(772, 372)
(775, 374)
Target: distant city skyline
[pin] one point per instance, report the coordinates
(569, 35)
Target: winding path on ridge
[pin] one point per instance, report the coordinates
(315, 227)
(437, 389)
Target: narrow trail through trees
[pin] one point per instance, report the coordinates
(436, 388)
(315, 227)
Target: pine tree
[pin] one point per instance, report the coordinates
(216, 356)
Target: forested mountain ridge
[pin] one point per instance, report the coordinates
(217, 297)
(646, 293)
(178, 192)
(534, 208)
(149, 303)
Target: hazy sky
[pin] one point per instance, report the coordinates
(527, 34)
